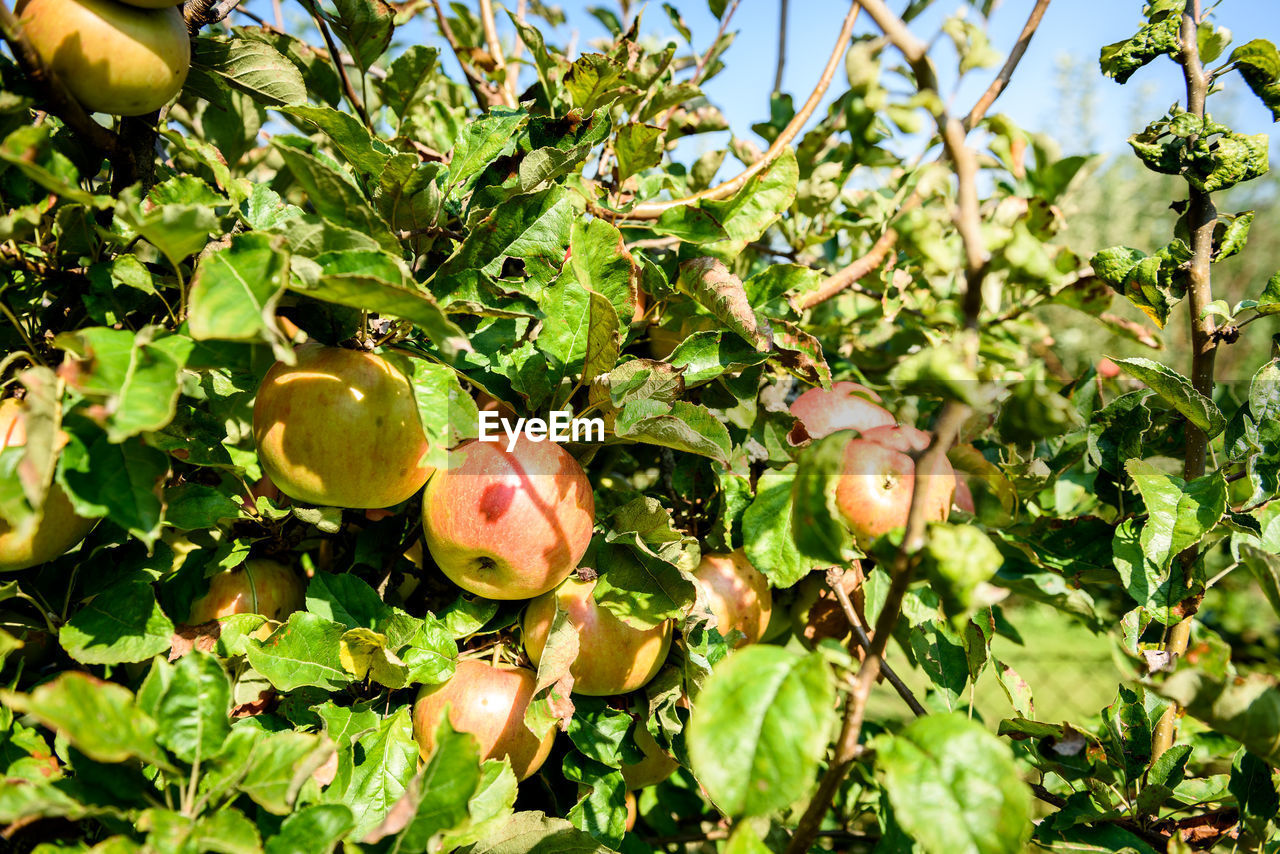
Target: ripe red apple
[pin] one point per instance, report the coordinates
(489, 702)
(874, 491)
(845, 406)
(654, 768)
(340, 428)
(613, 658)
(508, 524)
(738, 593)
(257, 586)
(114, 58)
(55, 527)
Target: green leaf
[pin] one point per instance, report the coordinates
(760, 727)
(766, 530)
(333, 193)
(316, 828)
(99, 718)
(638, 146)
(720, 292)
(593, 81)
(278, 767)
(122, 624)
(816, 522)
(1246, 708)
(954, 787)
(438, 798)
(759, 204)
(235, 290)
(119, 481)
(137, 376)
(1265, 568)
(956, 559)
(190, 703)
(533, 227)
(447, 412)
(479, 143)
(1179, 513)
(372, 281)
(1155, 39)
(536, 833)
(1255, 792)
(246, 65)
(358, 147)
(1178, 392)
(1258, 62)
(679, 425)
(364, 26)
(375, 769)
(409, 78)
(598, 731)
(637, 586)
(601, 263)
(304, 651)
(706, 356)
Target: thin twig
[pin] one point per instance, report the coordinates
(335, 57)
(60, 100)
(782, 46)
(1011, 64)
(486, 94)
(1201, 218)
(701, 64)
(517, 48)
(653, 210)
(860, 635)
(849, 276)
(495, 51)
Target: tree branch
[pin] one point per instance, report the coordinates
(335, 56)
(850, 275)
(1011, 64)
(782, 45)
(653, 210)
(486, 94)
(1201, 217)
(60, 101)
(863, 640)
(495, 50)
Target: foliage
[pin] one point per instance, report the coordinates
(523, 239)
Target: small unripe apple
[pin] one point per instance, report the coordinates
(114, 58)
(845, 406)
(613, 658)
(508, 524)
(875, 487)
(55, 527)
(341, 429)
(738, 594)
(654, 768)
(257, 586)
(489, 702)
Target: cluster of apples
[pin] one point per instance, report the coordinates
(124, 57)
(501, 524)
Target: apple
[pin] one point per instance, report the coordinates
(340, 428)
(845, 406)
(114, 58)
(257, 586)
(489, 702)
(879, 477)
(613, 657)
(654, 768)
(738, 594)
(508, 524)
(55, 527)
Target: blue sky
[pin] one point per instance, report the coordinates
(1071, 28)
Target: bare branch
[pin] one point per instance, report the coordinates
(783, 9)
(1011, 64)
(335, 56)
(863, 640)
(850, 275)
(486, 93)
(203, 13)
(653, 210)
(495, 50)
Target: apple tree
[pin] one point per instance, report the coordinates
(263, 590)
